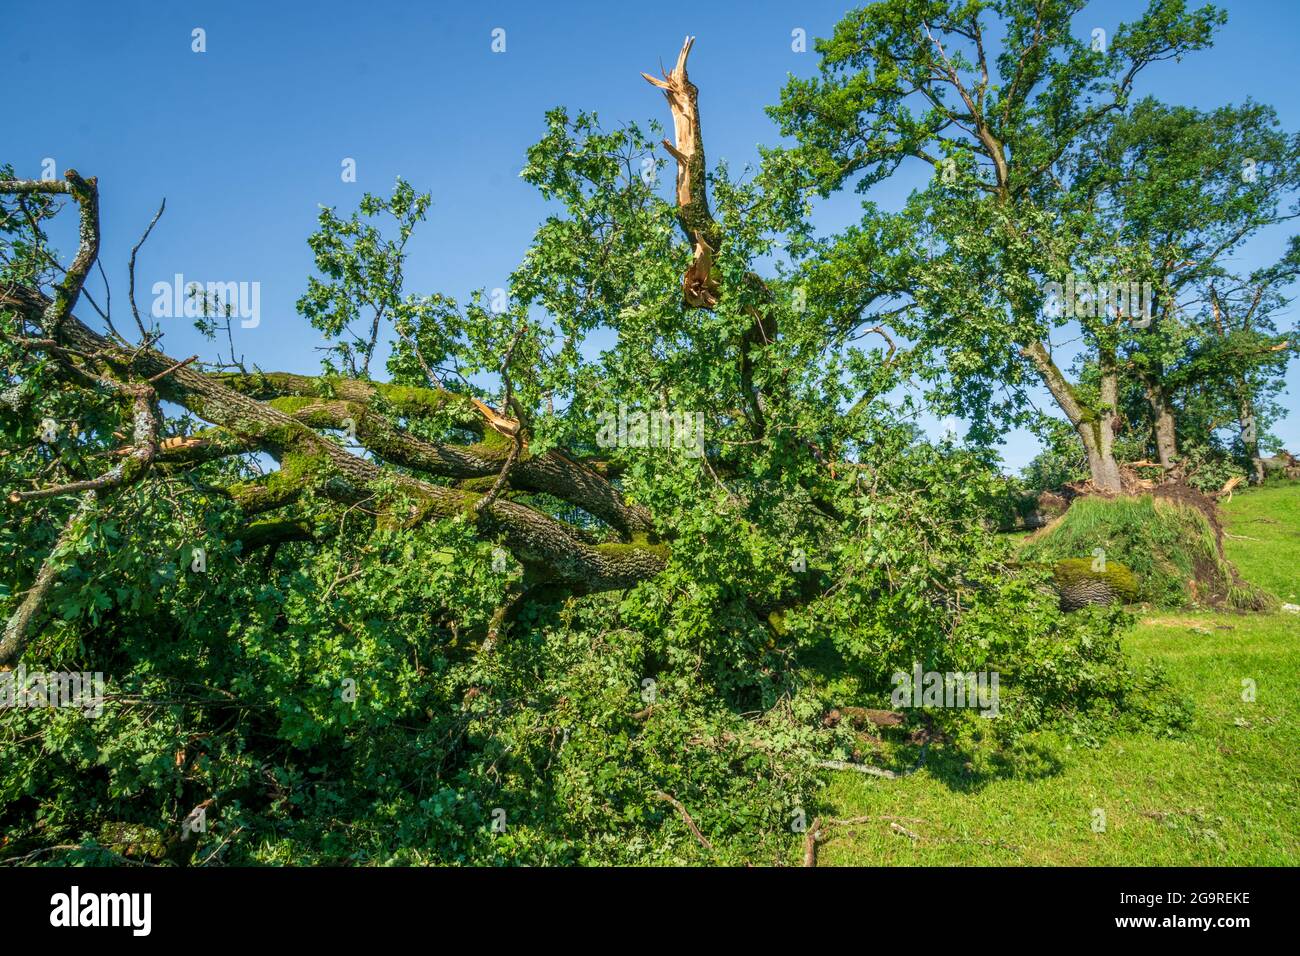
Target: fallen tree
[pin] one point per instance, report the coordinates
(455, 609)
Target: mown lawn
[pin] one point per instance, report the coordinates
(1227, 792)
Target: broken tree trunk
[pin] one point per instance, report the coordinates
(699, 286)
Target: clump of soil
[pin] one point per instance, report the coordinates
(1184, 494)
(1170, 537)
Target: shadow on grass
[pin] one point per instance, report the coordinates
(916, 745)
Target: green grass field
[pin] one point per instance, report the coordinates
(1226, 793)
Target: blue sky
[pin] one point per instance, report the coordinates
(245, 141)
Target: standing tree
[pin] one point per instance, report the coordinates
(1011, 210)
(1182, 192)
(1238, 361)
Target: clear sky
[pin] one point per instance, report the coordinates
(246, 140)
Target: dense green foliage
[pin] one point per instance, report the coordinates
(1215, 795)
(230, 683)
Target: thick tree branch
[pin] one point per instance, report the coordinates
(554, 472)
(20, 624)
(318, 465)
(85, 192)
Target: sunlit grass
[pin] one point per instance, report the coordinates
(1263, 538)
(1226, 792)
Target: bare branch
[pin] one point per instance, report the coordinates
(518, 444)
(130, 469)
(686, 818)
(144, 336)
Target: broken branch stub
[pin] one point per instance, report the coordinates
(699, 287)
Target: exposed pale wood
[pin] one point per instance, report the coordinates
(699, 287)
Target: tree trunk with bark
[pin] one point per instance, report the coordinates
(1250, 439)
(1094, 426)
(1162, 419)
